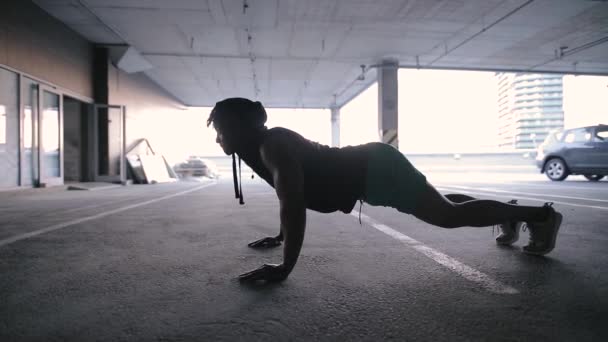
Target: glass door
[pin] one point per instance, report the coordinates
(9, 129)
(109, 142)
(29, 127)
(50, 137)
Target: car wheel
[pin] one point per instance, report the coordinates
(594, 178)
(556, 170)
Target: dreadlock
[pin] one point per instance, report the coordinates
(238, 111)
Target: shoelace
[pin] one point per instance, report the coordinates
(533, 239)
(534, 232)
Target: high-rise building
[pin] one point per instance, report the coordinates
(529, 107)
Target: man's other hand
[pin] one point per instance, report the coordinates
(268, 273)
(267, 242)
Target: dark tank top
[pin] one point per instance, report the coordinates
(334, 178)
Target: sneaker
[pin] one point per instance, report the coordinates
(543, 234)
(509, 231)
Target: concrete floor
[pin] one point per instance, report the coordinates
(159, 262)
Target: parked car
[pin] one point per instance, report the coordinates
(197, 167)
(577, 151)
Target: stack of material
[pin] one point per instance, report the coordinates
(148, 167)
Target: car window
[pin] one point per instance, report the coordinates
(553, 137)
(601, 134)
(578, 135)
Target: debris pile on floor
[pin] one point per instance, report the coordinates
(147, 167)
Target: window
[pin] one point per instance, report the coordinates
(578, 135)
(51, 139)
(29, 96)
(601, 134)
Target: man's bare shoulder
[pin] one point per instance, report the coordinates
(284, 133)
(276, 146)
(279, 139)
(280, 150)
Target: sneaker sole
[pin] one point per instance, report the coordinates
(558, 221)
(507, 243)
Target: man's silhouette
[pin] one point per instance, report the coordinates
(308, 175)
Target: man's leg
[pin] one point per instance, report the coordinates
(509, 231)
(434, 208)
(543, 222)
(394, 182)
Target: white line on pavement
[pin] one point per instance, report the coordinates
(593, 186)
(521, 193)
(520, 197)
(93, 217)
(461, 269)
(97, 205)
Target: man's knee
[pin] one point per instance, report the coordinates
(445, 215)
(450, 216)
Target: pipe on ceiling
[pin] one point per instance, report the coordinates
(565, 52)
(513, 11)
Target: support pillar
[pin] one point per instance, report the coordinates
(388, 104)
(335, 127)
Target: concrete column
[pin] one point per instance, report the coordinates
(335, 127)
(388, 104)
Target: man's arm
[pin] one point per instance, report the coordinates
(289, 185)
(288, 182)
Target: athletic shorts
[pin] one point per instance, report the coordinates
(392, 181)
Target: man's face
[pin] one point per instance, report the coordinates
(225, 138)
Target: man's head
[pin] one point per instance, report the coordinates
(234, 120)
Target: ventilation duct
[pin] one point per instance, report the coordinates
(129, 60)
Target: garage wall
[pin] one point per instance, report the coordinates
(150, 108)
(35, 43)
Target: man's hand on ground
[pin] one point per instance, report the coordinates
(268, 273)
(267, 242)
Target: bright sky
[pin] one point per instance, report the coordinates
(447, 111)
(439, 111)
(585, 101)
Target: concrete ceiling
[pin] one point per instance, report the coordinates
(309, 53)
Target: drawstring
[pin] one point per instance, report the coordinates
(238, 183)
(236, 188)
(241, 200)
(360, 206)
